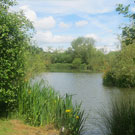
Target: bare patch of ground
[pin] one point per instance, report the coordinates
(19, 128)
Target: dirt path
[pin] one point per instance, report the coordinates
(19, 128)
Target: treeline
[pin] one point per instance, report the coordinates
(81, 56)
(121, 71)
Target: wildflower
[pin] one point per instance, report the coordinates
(67, 111)
(29, 92)
(77, 117)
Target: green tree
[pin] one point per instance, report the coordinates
(82, 48)
(121, 70)
(128, 31)
(76, 63)
(35, 61)
(14, 38)
(96, 61)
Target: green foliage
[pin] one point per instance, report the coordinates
(35, 61)
(66, 67)
(39, 104)
(96, 61)
(14, 38)
(60, 67)
(5, 4)
(61, 57)
(122, 71)
(85, 53)
(76, 63)
(82, 55)
(83, 48)
(128, 31)
(6, 128)
(121, 118)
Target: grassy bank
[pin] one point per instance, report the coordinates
(39, 106)
(68, 67)
(6, 128)
(71, 71)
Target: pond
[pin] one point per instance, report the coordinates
(88, 89)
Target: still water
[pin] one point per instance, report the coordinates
(88, 89)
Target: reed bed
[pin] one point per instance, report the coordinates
(121, 118)
(40, 105)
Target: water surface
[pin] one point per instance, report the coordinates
(88, 89)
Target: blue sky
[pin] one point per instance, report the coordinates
(58, 22)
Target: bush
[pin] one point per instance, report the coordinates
(14, 38)
(122, 71)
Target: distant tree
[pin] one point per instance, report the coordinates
(76, 63)
(82, 54)
(82, 48)
(35, 61)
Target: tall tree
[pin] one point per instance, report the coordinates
(82, 48)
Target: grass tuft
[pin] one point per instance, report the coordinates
(121, 118)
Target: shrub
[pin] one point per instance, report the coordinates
(122, 70)
(14, 38)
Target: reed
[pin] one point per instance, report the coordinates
(40, 105)
(121, 118)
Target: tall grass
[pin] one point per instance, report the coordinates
(40, 105)
(121, 118)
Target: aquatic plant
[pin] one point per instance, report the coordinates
(40, 105)
(121, 118)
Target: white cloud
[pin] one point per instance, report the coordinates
(81, 23)
(43, 23)
(92, 36)
(30, 14)
(64, 25)
(80, 8)
(43, 26)
(110, 42)
(48, 37)
(133, 9)
(99, 24)
(73, 6)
